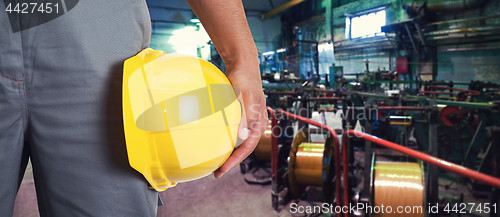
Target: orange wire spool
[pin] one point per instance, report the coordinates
(263, 149)
(311, 164)
(309, 159)
(400, 186)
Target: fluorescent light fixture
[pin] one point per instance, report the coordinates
(268, 53)
(281, 50)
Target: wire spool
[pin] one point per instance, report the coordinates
(398, 184)
(311, 164)
(400, 120)
(262, 151)
(308, 162)
(327, 108)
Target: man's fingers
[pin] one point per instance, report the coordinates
(243, 131)
(239, 154)
(257, 124)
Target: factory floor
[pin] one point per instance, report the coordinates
(231, 195)
(226, 196)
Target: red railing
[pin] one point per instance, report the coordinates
(456, 89)
(489, 180)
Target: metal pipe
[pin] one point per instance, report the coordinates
(318, 99)
(451, 88)
(462, 30)
(336, 148)
(274, 145)
(462, 20)
(462, 40)
(282, 93)
(356, 40)
(465, 38)
(382, 40)
(438, 93)
(367, 44)
(324, 98)
(321, 90)
(365, 50)
(357, 53)
(448, 6)
(454, 5)
(402, 108)
(410, 34)
(454, 48)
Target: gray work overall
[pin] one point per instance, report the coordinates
(60, 105)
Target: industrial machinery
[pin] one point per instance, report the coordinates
(411, 126)
(310, 164)
(416, 130)
(257, 167)
(422, 120)
(393, 180)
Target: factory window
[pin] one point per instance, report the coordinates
(366, 24)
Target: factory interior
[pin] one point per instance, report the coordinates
(375, 104)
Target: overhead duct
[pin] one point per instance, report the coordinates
(413, 9)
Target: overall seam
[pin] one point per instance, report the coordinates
(25, 100)
(10, 79)
(21, 103)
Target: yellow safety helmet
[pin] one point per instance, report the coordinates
(181, 117)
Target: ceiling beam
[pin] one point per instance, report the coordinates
(282, 8)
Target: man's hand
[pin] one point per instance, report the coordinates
(227, 26)
(254, 119)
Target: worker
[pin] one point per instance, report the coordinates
(60, 100)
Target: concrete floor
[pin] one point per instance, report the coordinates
(226, 196)
(229, 195)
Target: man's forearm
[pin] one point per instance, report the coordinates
(226, 24)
